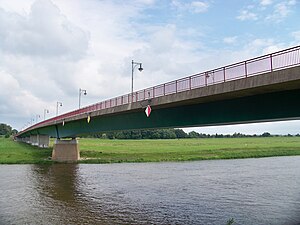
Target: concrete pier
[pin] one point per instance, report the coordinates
(65, 150)
(34, 140)
(43, 141)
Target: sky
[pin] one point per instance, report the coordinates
(51, 48)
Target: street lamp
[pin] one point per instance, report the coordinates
(45, 111)
(57, 105)
(81, 91)
(133, 66)
(37, 117)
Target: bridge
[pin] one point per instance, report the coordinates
(265, 88)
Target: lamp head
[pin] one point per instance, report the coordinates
(140, 68)
(84, 92)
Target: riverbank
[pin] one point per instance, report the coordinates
(117, 151)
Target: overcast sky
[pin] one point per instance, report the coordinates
(51, 48)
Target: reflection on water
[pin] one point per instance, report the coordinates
(252, 191)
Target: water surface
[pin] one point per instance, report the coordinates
(252, 191)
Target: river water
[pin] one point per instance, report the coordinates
(252, 191)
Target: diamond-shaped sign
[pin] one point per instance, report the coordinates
(148, 110)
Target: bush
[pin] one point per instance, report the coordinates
(7, 136)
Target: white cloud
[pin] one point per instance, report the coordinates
(267, 10)
(44, 32)
(39, 51)
(199, 7)
(281, 10)
(230, 40)
(266, 2)
(194, 6)
(247, 15)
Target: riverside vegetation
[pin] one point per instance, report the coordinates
(93, 150)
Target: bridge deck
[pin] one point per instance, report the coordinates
(271, 73)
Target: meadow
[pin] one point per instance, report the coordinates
(117, 151)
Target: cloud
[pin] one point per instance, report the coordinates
(247, 15)
(230, 40)
(267, 11)
(44, 32)
(194, 6)
(39, 52)
(199, 7)
(266, 2)
(281, 10)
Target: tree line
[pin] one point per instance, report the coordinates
(172, 134)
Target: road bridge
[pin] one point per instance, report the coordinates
(266, 88)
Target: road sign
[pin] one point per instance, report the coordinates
(148, 110)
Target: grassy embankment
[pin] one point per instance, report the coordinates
(111, 151)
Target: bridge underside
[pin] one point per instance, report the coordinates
(258, 108)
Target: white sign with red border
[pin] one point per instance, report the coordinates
(148, 110)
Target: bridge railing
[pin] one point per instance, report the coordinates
(267, 63)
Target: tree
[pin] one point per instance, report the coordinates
(193, 134)
(180, 133)
(5, 129)
(266, 134)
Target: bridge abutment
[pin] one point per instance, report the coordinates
(66, 150)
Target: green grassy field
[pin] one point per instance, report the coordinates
(111, 151)
(17, 153)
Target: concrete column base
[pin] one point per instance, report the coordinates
(65, 151)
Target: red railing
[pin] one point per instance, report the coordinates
(267, 63)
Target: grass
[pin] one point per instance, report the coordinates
(108, 151)
(20, 153)
(115, 151)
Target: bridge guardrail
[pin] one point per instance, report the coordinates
(267, 63)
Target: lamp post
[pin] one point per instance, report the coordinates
(81, 91)
(37, 118)
(45, 111)
(133, 66)
(57, 105)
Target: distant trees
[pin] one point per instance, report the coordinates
(140, 134)
(6, 130)
(171, 134)
(266, 134)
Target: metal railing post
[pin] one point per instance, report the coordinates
(224, 74)
(246, 73)
(271, 62)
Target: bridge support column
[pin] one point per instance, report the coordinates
(43, 141)
(65, 150)
(27, 140)
(34, 140)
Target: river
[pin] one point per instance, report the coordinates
(251, 191)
